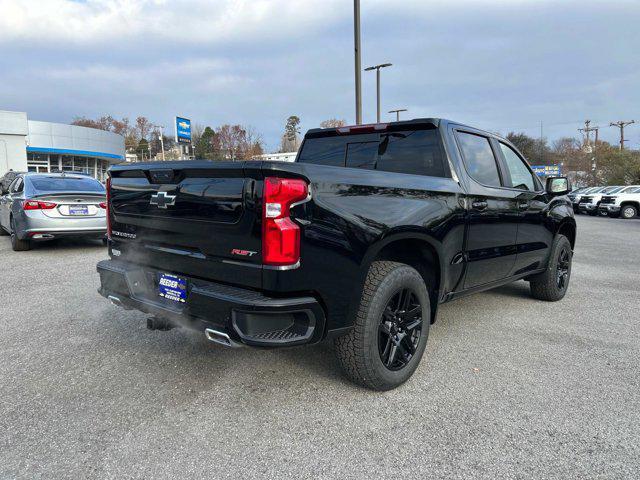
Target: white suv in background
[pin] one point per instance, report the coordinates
(625, 203)
(589, 202)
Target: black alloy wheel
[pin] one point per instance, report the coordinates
(399, 330)
(562, 268)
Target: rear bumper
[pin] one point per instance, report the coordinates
(37, 223)
(246, 316)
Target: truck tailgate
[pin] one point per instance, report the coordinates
(197, 218)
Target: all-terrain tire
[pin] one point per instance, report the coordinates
(358, 351)
(548, 286)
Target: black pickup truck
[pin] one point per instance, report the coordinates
(359, 240)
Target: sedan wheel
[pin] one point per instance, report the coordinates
(16, 244)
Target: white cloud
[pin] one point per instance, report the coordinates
(95, 21)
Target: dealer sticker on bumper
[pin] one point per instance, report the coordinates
(172, 287)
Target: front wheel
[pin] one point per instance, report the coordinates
(391, 328)
(628, 211)
(552, 285)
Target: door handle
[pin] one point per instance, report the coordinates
(480, 205)
(523, 205)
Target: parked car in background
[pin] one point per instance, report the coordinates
(44, 206)
(589, 201)
(6, 180)
(575, 195)
(625, 204)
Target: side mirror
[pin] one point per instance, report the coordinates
(558, 186)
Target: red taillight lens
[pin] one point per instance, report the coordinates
(106, 206)
(37, 205)
(280, 235)
(103, 205)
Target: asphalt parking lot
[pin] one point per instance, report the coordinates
(509, 387)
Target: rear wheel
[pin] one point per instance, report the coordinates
(628, 211)
(391, 328)
(553, 283)
(16, 244)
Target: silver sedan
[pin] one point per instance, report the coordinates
(44, 206)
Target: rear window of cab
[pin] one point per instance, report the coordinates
(417, 152)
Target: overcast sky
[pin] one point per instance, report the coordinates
(498, 65)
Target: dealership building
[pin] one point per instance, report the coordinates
(29, 145)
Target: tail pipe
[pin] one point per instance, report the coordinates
(222, 338)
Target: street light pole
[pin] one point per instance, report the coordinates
(397, 112)
(377, 69)
(358, 65)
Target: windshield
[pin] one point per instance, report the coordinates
(629, 190)
(612, 189)
(66, 184)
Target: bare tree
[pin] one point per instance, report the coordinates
(143, 127)
(333, 123)
(238, 142)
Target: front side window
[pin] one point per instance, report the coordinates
(479, 159)
(521, 176)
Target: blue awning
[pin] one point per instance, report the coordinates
(82, 153)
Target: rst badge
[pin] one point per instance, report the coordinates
(242, 253)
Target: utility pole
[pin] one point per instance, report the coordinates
(541, 147)
(397, 112)
(587, 130)
(621, 124)
(377, 69)
(358, 65)
(162, 140)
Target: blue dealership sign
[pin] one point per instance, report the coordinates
(547, 170)
(183, 130)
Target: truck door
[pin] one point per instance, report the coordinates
(534, 239)
(490, 248)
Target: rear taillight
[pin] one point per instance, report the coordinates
(37, 205)
(280, 235)
(108, 212)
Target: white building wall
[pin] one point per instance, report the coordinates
(13, 131)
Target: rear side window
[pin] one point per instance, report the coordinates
(66, 184)
(416, 152)
(17, 186)
(479, 159)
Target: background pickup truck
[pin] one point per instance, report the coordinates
(359, 240)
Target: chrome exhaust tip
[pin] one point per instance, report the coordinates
(220, 337)
(115, 300)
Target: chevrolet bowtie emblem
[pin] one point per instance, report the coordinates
(162, 200)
